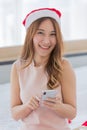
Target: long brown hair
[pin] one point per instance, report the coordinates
(54, 66)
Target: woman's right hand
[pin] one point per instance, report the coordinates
(23, 110)
(33, 104)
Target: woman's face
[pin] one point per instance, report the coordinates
(44, 39)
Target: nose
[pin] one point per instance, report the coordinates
(46, 40)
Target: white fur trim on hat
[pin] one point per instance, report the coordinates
(39, 13)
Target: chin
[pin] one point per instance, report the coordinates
(44, 55)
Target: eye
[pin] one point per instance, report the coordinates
(53, 34)
(39, 32)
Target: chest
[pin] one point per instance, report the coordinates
(32, 82)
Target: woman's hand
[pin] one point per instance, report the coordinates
(33, 104)
(53, 103)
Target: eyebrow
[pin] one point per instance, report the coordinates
(44, 30)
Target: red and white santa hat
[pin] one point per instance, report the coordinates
(39, 13)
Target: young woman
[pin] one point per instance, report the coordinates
(41, 66)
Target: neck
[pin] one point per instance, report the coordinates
(40, 61)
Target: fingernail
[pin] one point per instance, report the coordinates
(37, 98)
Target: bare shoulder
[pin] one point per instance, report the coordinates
(14, 69)
(66, 64)
(13, 66)
(16, 65)
(68, 70)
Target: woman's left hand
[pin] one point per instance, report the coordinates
(52, 103)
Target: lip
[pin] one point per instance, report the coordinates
(44, 47)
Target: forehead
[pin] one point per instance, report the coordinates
(46, 24)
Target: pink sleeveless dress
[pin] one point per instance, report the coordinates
(32, 81)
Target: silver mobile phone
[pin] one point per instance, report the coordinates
(49, 94)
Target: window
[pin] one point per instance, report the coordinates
(12, 13)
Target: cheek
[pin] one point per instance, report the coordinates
(54, 42)
(36, 39)
(35, 43)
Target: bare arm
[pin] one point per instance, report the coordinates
(69, 91)
(67, 107)
(18, 109)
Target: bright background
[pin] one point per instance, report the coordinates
(12, 13)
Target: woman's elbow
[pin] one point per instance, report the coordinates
(14, 115)
(73, 114)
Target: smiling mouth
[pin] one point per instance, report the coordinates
(44, 47)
